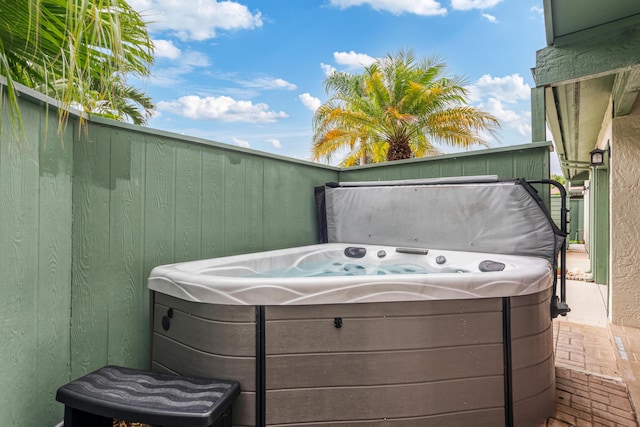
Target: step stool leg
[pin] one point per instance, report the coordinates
(77, 418)
(227, 418)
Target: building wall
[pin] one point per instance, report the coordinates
(625, 220)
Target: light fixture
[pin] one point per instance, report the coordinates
(596, 157)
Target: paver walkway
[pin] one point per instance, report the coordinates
(626, 341)
(585, 400)
(596, 371)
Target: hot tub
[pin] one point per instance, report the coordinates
(364, 335)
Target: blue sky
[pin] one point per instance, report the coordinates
(250, 73)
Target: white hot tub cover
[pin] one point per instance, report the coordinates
(472, 214)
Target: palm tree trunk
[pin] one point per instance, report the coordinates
(399, 148)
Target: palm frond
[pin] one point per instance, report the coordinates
(74, 51)
(400, 107)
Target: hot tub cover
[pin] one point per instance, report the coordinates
(474, 214)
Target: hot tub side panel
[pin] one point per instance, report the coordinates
(533, 378)
(427, 363)
(212, 341)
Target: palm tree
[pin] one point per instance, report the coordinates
(397, 109)
(78, 52)
(127, 104)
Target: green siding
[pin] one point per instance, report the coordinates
(289, 211)
(90, 270)
(600, 50)
(143, 199)
(599, 225)
(54, 269)
(35, 259)
(74, 292)
(19, 201)
(126, 334)
(529, 161)
(556, 207)
(576, 216)
(538, 121)
(575, 227)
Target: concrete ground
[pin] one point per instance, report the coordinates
(596, 363)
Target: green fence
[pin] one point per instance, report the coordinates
(142, 199)
(35, 267)
(74, 294)
(576, 217)
(530, 161)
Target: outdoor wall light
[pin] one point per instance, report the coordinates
(596, 157)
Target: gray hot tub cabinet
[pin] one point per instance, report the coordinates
(420, 363)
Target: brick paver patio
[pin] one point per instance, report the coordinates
(596, 371)
(589, 400)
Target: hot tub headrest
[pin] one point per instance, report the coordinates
(478, 214)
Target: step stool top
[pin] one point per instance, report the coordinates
(149, 397)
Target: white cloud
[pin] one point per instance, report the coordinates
(537, 9)
(223, 108)
(397, 7)
(166, 49)
(241, 142)
(195, 59)
(509, 89)
(170, 76)
(494, 106)
(524, 129)
(311, 102)
(197, 19)
(473, 4)
(494, 94)
(274, 142)
(327, 69)
(520, 122)
(269, 83)
(490, 18)
(353, 60)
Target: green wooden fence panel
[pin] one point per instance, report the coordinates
(556, 207)
(90, 268)
(144, 198)
(19, 204)
(35, 259)
(54, 269)
(289, 207)
(576, 214)
(529, 161)
(575, 227)
(127, 332)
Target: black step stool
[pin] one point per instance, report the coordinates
(114, 392)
